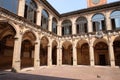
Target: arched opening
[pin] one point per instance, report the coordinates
(54, 53)
(83, 57)
(66, 27)
(30, 11)
(43, 51)
(7, 34)
(98, 21)
(81, 25)
(101, 54)
(115, 20)
(27, 50)
(67, 54)
(54, 25)
(44, 19)
(116, 45)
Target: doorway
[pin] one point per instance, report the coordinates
(102, 60)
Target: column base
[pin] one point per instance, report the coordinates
(112, 64)
(74, 62)
(16, 66)
(37, 64)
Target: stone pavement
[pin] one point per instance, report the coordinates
(64, 73)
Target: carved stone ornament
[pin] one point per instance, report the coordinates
(99, 34)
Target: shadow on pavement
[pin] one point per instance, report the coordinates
(4, 75)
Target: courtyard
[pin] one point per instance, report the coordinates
(64, 72)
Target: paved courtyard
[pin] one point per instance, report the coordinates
(64, 73)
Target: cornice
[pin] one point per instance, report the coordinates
(86, 10)
(91, 9)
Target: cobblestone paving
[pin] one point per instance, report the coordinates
(64, 73)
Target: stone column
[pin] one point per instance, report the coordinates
(60, 54)
(58, 50)
(37, 54)
(91, 50)
(90, 27)
(73, 26)
(21, 7)
(50, 22)
(39, 16)
(111, 54)
(17, 53)
(74, 55)
(108, 21)
(50, 53)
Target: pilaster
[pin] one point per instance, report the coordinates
(59, 29)
(90, 28)
(108, 21)
(39, 15)
(73, 26)
(21, 7)
(50, 22)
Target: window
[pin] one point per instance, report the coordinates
(54, 25)
(45, 19)
(98, 21)
(115, 19)
(30, 10)
(66, 27)
(81, 25)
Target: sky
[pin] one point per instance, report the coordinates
(63, 6)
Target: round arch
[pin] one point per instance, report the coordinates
(44, 51)
(115, 18)
(101, 53)
(44, 19)
(67, 53)
(83, 53)
(66, 27)
(7, 34)
(54, 52)
(28, 49)
(98, 21)
(54, 25)
(81, 25)
(30, 10)
(116, 47)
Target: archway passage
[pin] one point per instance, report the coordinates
(83, 54)
(43, 51)
(101, 54)
(27, 50)
(54, 53)
(116, 45)
(67, 55)
(7, 34)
